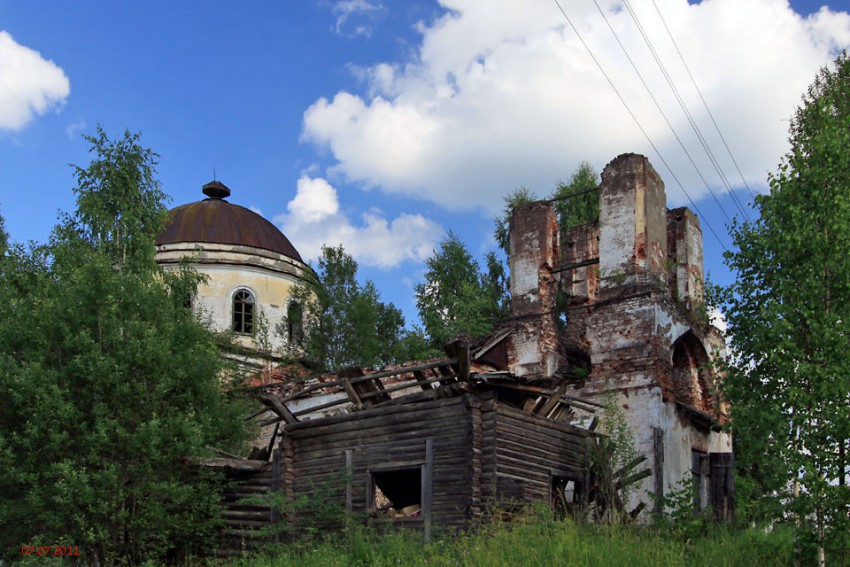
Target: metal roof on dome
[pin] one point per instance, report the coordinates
(216, 221)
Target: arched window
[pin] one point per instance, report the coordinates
(692, 373)
(243, 312)
(294, 323)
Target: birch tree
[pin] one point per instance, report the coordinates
(789, 316)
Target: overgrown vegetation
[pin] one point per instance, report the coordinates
(788, 313)
(537, 539)
(458, 297)
(576, 202)
(616, 464)
(347, 324)
(107, 381)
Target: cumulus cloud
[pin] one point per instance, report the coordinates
(314, 219)
(356, 17)
(29, 84)
(500, 98)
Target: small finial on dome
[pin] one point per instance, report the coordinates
(216, 190)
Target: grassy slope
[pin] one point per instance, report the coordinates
(539, 542)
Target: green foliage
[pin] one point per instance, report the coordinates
(537, 539)
(679, 516)
(457, 297)
(310, 516)
(572, 211)
(108, 383)
(788, 313)
(120, 204)
(346, 322)
(502, 233)
(614, 459)
(4, 236)
(583, 207)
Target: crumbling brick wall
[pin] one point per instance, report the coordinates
(634, 315)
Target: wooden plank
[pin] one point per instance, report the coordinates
(364, 427)
(349, 478)
(224, 454)
(544, 430)
(378, 435)
(540, 468)
(414, 368)
(278, 407)
(274, 513)
(396, 465)
(421, 380)
(344, 379)
(231, 464)
(541, 435)
(576, 265)
(406, 385)
(427, 487)
(538, 455)
(427, 406)
(504, 410)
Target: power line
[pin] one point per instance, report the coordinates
(684, 108)
(661, 110)
(705, 104)
(637, 123)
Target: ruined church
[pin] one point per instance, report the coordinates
(621, 300)
(607, 311)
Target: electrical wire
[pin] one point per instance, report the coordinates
(704, 103)
(661, 110)
(638, 124)
(684, 108)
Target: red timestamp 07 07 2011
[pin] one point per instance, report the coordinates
(50, 550)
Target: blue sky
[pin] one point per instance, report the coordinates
(382, 124)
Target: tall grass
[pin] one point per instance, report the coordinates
(536, 540)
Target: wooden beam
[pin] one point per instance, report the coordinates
(224, 454)
(233, 464)
(402, 370)
(576, 265)
(427, 487)
(349, 479)
(345, 376)
(274, 513)
(278, 407)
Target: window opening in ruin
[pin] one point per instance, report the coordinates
(699, 475)
(397, 493)
(691, 373)
(565, 495)
(295, 323)
(243, 312)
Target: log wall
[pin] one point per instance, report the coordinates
(526, 451)
(389, 438)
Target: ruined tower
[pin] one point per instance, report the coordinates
(631, 303)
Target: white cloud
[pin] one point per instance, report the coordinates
(314, 219)
(73, 128)
(356, 17)
(29, 84)
(507, 97)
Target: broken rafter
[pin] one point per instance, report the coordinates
(382, 374)
(278, 407)
(579, 403)
(223, 453)
(488, 346)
